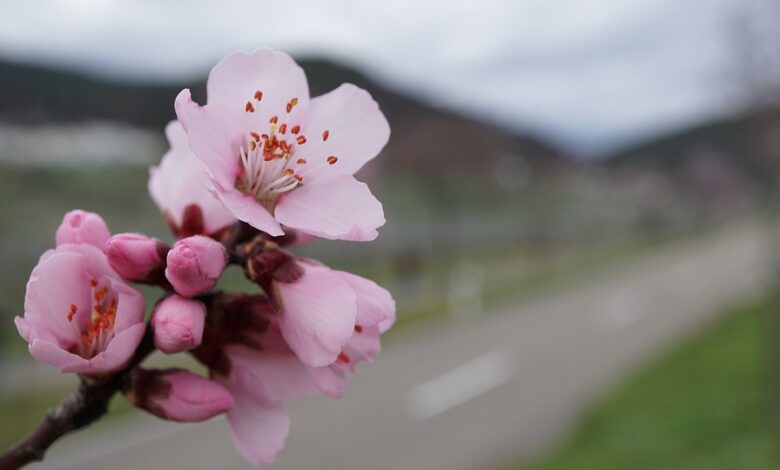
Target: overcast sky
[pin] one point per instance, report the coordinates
(591, 74)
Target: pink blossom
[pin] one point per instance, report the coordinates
(276, 157)
(80, 226)
(261, 378)
(180, 188)
(317, 313)
(178, 395)
(195, 264)
(137, 257)
(79, 315)
(178, 324)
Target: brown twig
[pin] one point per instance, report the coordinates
(83, 407)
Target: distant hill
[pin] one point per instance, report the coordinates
(425, 138)
(745, 146)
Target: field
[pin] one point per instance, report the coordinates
(712, 403)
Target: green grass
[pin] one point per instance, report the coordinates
(711, 403)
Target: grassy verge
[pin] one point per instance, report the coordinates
(710, 404)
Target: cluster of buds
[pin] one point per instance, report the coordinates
(235, 189)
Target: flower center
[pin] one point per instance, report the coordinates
(96, 332)
(271, 162)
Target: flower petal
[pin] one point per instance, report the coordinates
(116, 354)
(318, 315)
(247, 209)
(51, 354)
(181, 180)
(214, 135)
(374, 303)
(235, 79)
(259, 428)
(357, 129)
(339, 209)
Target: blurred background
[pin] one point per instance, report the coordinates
(580, 195)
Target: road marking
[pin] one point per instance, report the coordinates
(459, 385)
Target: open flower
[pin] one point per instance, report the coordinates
(275, 157)
(79, 315)
(180, 188)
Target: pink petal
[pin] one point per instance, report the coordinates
(58, 282)
(357, 129)
(51, 354)
(247, 209)
(181, 180)
(130, 305)
(339, 209)
(116, 354)
(374, 303)
(214, 135)
(318, 315)
(235, 79)
(259, 428)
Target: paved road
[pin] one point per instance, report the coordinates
(476, 394)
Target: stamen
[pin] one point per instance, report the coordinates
(72, 311)
(292, 104)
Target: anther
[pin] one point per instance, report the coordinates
(255, 136)
(358, 329)
(283, 128)
(295, 129)
(301, 139)
(258, 95)
(301, 161)
(325, 135)
(332, 160)
(274, 119)
(250, 108)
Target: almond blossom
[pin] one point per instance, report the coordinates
(276, 157)
(79, 315)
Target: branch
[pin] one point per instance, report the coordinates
(84, 406)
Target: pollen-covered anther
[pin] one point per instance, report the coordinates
(291, 104)
(295, 129)
(325, 135)
(332, 160)
(250, 108)
(72, 311)
(301, 139)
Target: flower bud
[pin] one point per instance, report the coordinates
(82, 227)
(137, 257)
(178, 395)
(178, 324)
(195, 264)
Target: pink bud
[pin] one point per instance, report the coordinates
(195, 264)
(82, 227)
(178, 324)
(178, 395)
(137, 257)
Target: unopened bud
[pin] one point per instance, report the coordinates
(178, 395)
(137, 257)
(178, 324)
(195, 264)
(82, 227)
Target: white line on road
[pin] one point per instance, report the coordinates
(459, 385)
